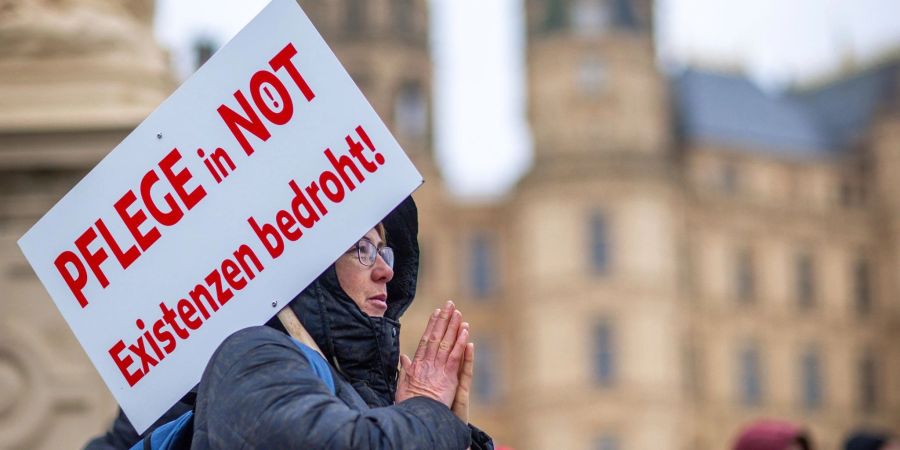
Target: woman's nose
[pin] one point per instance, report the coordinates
(382, 271)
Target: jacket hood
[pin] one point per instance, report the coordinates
(364, 349)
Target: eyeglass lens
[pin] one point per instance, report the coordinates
(368, 252)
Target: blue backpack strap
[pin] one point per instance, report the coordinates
(318, 363)
(170, 435)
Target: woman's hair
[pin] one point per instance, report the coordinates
(382, 233)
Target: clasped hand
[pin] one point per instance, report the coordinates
(442, 366)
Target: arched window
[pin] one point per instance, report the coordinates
(411, 111)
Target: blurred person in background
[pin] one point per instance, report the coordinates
(773, 435)
(866, 440)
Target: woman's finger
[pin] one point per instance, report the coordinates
(450, 337)
(423, 342)
(460, 405)
(454, 359)
(467, 370)
(437, 333)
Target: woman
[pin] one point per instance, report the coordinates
(258, 390)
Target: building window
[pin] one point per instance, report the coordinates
(204, 48)
(750, 377)
(481, 265)
(806, 292)
(590, 16)
(604, 357)
(693, 374)
(811, 370)
(484, 384)
(592, 76)
(355, 18)
(868, 383)
(410, 110)
(625, 16)
(745, 277)
(403, 16)
(599, 242)
(555, 15)
(607, 442)
(862, 287)
(729, 178)
(851, 193)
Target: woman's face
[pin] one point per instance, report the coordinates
(366, 285)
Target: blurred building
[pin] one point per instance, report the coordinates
(688, 252)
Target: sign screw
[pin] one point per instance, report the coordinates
(159, 135)
(274, 304)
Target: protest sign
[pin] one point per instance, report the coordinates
(239, 190)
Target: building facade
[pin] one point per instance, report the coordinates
(687, 254)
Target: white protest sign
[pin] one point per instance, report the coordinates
(239, 190)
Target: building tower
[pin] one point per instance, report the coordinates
(594, 237)
(383, 44)
(592, 63)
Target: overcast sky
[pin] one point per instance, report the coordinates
(482, 139)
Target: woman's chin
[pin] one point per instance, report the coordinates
(375, 307)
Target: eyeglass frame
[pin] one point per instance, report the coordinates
(379, 251)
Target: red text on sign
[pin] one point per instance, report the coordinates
(276, 111)
(141, 211)
(189, 313)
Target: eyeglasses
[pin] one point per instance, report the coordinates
(367, 252)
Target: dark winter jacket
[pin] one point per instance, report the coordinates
(258, 390)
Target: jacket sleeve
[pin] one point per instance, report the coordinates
(121, 435)
(480, 439)
(259, 391)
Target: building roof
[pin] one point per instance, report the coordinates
(730, 110)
